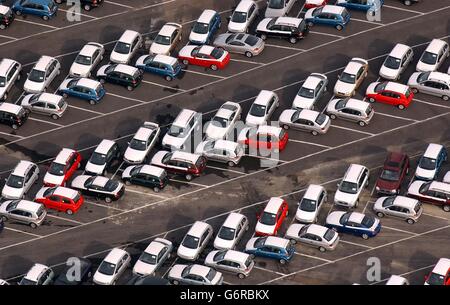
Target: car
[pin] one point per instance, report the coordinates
(356, 178)
(222, 151)
(440, 275)
(433, 56)
(396, 62)
(23, 211)
(434, 192)
(180, 163)
(167, 39)
(2, 226)
(402, 207)
(351, 78)
(42, 74)
(48, 104)
(204, 56)
(409, 2)
(350, 109)
(446, 178)
(184, 129)
(102, 158)
(249, 45)
(310, 92)
(262, 108)
(19, 182)
(6, 17)
(272, 217)
(278, 8)
(142, 143)
(87, 59)
(433, 83)
(231, 231)
(153, 257)
(395, 169)
(371, 6)
(332, 15)
(38, 275)
(195, 241)
(146, 175)
(317, 236)
(10, 73)
(391, 93)
(45, 9)
(290, 28)
(310, 205)
(99, 187)
(397, 280)
(63, 167)
(264, 137)
(222, 124)
(355, 223)
(194, 274)
(315, 3)
(60, 198)
(231, 261)
(112, 267)
(126, 47)
(86, 4)
(205, 27)
(307, 120)
(163, 65)
(83, 88)
(12, 115)
(243, 16)
(430, 162)
(124, 75)
(147, 281)
(273, 247)
(69, 277)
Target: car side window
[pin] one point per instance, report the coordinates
(251, 10)
(65, 200)
(54, 198)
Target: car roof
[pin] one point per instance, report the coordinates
(244, 5)
(405, 202)
(311, 82)
(88, 50)
(435, 45)
(442, 266)
(205, 49)
(224, 113)
(267, 129)
(263, 97)
(357, 104)
(225, 145)
(143, 133)
(167, 30)
(313, 191)
(12, 108)
(356, 217)
(181, 155)
(353, 172)
(4, 9)
(104, 146)
(308, 114)
(114, 255)
(273, 205)
(206, 16)
(152, 170)
(168, 60)
(277, 242)
(125, 69)
(100, 181)
(233, 220)
(399, 50)
(5, 64)
(183, 117)
(288, 21)
(28, 205)
(87, 82)
(236, 256)
(440, 186)
(50, 98)
(198, 228)
(317, 229)
(353, 66)
(439, 76)
(63, 155)
(395, 280)
(393, 156)
(35, 272)
(128, 36)
(65, 192)
(43, 62)
(333, 9)
(154, 247)
(432, 150)
(22, 167)
(200, 270)
(396, 87)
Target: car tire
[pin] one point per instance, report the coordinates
(322, 249)
(65, 95)
(283, 261)
(249, 54)
(2, 26)
(185, 62)
(407, 2)
(380, 215)
(332, 116)
(286, 127)
(14, 126)
(55, 117)
(414, 90)
(58, 1)
(241, 276)
(130, 88)
(263, 36)
(127, 182)
(293, 40)
(92, 102)
(102, 80)
(168, 78)
(87, 7)
(69, 212)
(188, 177)
(5, 96)
(310, 24)
(230, 163)
(252, 256)
(175, 282)
(18, 13)
(4, 218)
(156, 189)
(339, 27)
(445, 97)
(401, 106)
(361, 123)
(293, 241)
(45, 17)
(446, 208)
(214, 67)
(410, 221)
(356, 204)
(371, 100)
(365, 236)
(108, 199)
(314, 133)
(33, 225)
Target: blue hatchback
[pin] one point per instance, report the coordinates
(83, 88)
(45, 9)
(166, 66)
(336, 16)
(354, 223)
(271, 247)
(361, 5)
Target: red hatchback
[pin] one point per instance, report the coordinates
(395, 169)
(63, 167)
(180, 163)
(390, 93)
(60, 198)
(264, 137)
(270, 220)
(204, 56)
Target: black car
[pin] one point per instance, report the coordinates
(146, 175)
(86, 4)
(290, 28)
(6, 16)
(72, 276)
(99, 187)
(12, 115)
(120, 74)
(147, 280)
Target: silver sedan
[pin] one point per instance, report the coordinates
(246, 44)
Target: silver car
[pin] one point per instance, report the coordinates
(314, 235)
(153, 257)
(351, 110)
(403, 207)
(310, 92)
(232, 261)
(194, 274)
(222, 151)
(38, 275)
(305, 120)
(433, 83)
(49, 104)
(23, 211)
(249, 45)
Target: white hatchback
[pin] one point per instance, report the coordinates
(42, 74)
(126, 47)
(112, 267)
(24, 175)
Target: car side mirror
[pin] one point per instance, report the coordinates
(228, 18)
(338, 184)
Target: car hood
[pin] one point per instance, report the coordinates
(221, 40)
(253, 120)
(127, 172)
(200, 38)
(94, 168)
(176, 142)
(12, 192)
(305, 216)
(286, 116)
(101, 70)
(53, 179)
(334, 217)
(187, 253)
(26, 100)
(140, 60)
(186, 51)
(33, 87)
(350, 199)
(423, 67)
(103, 279)
(371, 88)
(237, 27)
(303, 102)
(157, 48)
(265, 229)
(82, 70)
(176, 271)
(292, 231)
(387, 185)
(79, 181)
(414, 188)
(389, 73)
(220, 243)
(378, 205)
(250, 246)
(215, 132)
(134, 155)
(412, 81)
(40, 193)
(309, 14)
(262, 25)
(209, 260)
(158, 157)
(425, 173)
(343, 88)
(144, 268)
(119, 58)
(64, 84)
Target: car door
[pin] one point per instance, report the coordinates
(20, 216)
(113, 77)
(28, 181)
(275, 31)
(53, 202)
(236, 46)
(95, 58)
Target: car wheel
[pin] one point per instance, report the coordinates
(407, 2)
(371, 100)
(283, 261)
(175, 282)
(332, 116)
(185, 62)
(252, 256)
(58, 1)
(293, 241)
(156, 189)
(314, 133)
(249, 54)
(230, 163)
(18, 13)
(339, 27)
(92, 102)
(446, 208)
(2, 26)
(286, 127)
(356, 203)
(414, 90)
(380, 215)
(241, 276)
(65, 95)
(310, 24)
(33, 225)
(365, 236)
(410, 221)
(14, 126)
(445, 98)
(127, 182)
(188, 177)
(361, 123)
(213, 67)
(108, 199)
(263, 36)
(5, 96)
(322, 249)
(55, 117)
(45, 17)
(168, 78)
(102, 80)
(401, 106)
(69, 212)
(130, 88)
(293, 40)
(87, 7)
(4, 218)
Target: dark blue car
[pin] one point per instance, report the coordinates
(361, 5)
(166, 66)
(83, 88)
(274, 247)
(332, 15)
(354, 223)
(45, 9)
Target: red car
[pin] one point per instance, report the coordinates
(265, 137)
(390, 93)
(270, 220)
(395, 169)
(62, 168)
(434, 192)
(315, 3)
(204, 56)
(60, 198)
(180, 163)
(440, 275)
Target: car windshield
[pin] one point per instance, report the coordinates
(107, 268)
(136, 170)
(305, 92)
(239, 17)
(138, 144)
(329, 234)
(251, 40)
(317, 11)
(217, 53)
(368, 221)
(27, 282)
(122, 48)
(219, 255)
(226, 233)
(200, 28)
(111, 185)
(276, 4)
(423, 77)
(380, 87)
(390, 175)
(2, 81)
(176, 131)
(56, 169)
(258, 110)
(12, 205)
(83, 60)
(219, 122)
(15, 181)
(97, 158)
(268, 219)
(36, 76)
(347, 78)
(164, 40)
(427, 163)
(429, 58)
(392, 62)
(190, 242)
(388, 201)
(348, 187)
(49, 191)
(260, 242)
(148, 258)
(307, 205)
(435, 279)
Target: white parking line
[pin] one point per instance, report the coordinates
(355, 244)
(126, 98)
(313, 257)
(309, 143)
(365, 207)
(394, 116)
(432, 104)
(19, 98)
(284, 47)
(399, 230)
(22, 232)
(204, 74)
(65, 219)
(301, 10)
(327, 34)
(168, 269)
(435, 216)
(188, 182)
(352, 129)
(147, 194)
(12, 135)
(402, 9)
(84, 109)
(104, 206)
(163, 86)
(119, 4)
(266, 158)
(225, 169)
(46, 122)
(120, 166)
(247, 61)
(34, 23)
(8, 37)
(365, 21)
(268, 270)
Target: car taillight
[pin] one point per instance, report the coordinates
(134, 82)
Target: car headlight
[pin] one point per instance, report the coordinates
(394, 191)
(377, 188)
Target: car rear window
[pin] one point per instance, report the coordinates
(211, 274)
(61, 104)
(417, 207)
(200, 162)
(251, 40)
(40, 211)
(217, 53)
(321, 118)
(369, 110)
(329, 234)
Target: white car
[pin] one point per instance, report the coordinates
(446, 178)
(433, 56)
(126, 47)
(349, 189)
(9, 74)
(262, 108)
(430, 162)
(38, 275)
(235, 262)
(42, 74)
(350, 109)
(183, 127)
(88, 58)
(194, 275)
(195, 241)
(396, 62)
(244, 14)
(352, 76)
(231, 232)
(221, 126)
(56, 173)
(313, 235)
(19, 182)
(102, 157)
(397, 280)
(112, 267)
(167, 39)
(310, 205)
(156, 253)
(310, 92)
(278, 8)
(141, 144)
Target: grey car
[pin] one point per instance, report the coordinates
(232, 261)
(49, 104)
(313, 235)
(249, 45)
(221, 151)
(433, 83)
(305, 120)
(23, 211)
(402, 207)
(351, 110)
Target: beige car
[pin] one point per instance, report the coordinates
(167, 39)
(351, 78)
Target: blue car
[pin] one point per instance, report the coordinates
(336, 16)
(354, 223)
(361, 5)
(166, 66)
(83, 88)
(274, 247)
(45, 9)
(205, 27)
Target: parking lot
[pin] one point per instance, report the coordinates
(141, 215)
